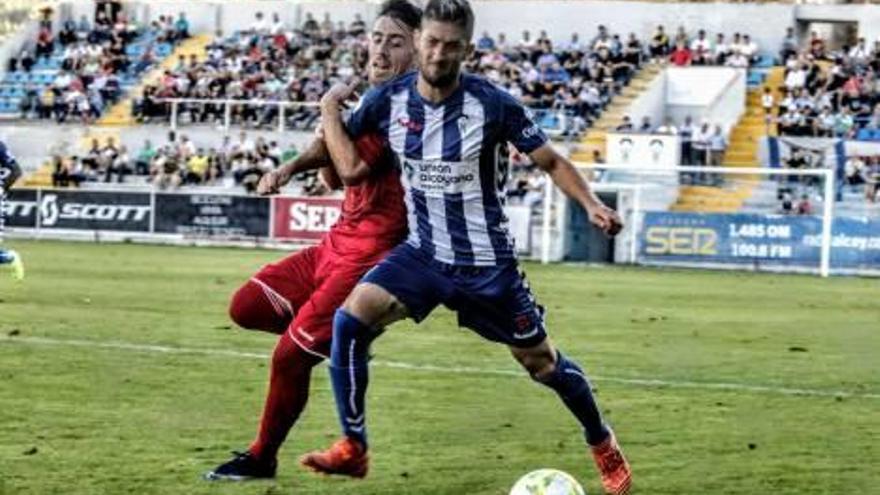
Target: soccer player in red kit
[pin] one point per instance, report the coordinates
(298, 296)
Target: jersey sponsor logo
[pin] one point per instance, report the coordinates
(410, 124)
(51, 212)
(531, 131)
(442, 177)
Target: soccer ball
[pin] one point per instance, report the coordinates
(547, 482)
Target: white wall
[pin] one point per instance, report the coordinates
(650, 103)
(716, 94)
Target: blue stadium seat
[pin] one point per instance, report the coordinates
(766, 61)
(163, 50)
(19, 77)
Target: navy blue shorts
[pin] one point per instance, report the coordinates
(494, 301)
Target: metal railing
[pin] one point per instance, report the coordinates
(229, 104)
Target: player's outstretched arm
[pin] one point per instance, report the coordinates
(349, 165)
(572, 183)
(314, 157)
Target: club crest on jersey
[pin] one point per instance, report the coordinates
(462, 124)
(410, 124)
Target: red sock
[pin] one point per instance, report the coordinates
(287, 397)
(251, 308)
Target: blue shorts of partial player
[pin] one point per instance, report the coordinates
(494, 301)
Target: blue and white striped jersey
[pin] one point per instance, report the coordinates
(454, 163)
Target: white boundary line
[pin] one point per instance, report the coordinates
(460, 370)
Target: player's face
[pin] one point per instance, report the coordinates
(391, 50)
(442, 48)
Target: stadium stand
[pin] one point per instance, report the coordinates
(77, 71)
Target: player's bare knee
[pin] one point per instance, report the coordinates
(373, 306)
(539, 361)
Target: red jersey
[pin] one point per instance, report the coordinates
(373, 218)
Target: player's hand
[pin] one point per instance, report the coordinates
(271, 182)
(337, 95)
(606, 219)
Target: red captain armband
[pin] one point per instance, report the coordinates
(370, 148)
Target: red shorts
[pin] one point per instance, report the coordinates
(310, 286)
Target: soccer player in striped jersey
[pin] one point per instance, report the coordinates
(450, 132)
(9, 173)
(296, 297)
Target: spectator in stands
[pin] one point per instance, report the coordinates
(796, 78)
(768, 101)
(181, 27)
(646, 127)
(681, 56)
(633, 51)
(789, 46)
(659, 44)
(626, 125)
(358, 26)
(737, 59)
(720, 51)
(701, 49)
(144, 158)
(166, 170)
(700, 143)
(823, 124)
(717, 146)
(681, 36)
(804, 206)
(817, 46)
(197, 166)
(485, 43)
(844, 123)
(686, 133)
(26, 61)
(67, 35)
(749, 49)
(310, 25)
(119, 164)
(45, 43)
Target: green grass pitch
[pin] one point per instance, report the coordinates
(715, 382)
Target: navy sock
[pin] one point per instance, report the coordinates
(5, 257)
(572, 386)
(349, 373)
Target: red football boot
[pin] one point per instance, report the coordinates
(346, 457)
(615, 471)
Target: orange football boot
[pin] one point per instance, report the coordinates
(346, 457)
(615, 471)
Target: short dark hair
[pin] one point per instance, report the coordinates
(403, 11)
(457, 12)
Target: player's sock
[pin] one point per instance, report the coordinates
(288, 393)
(252, 308)
(349, 373)
(572, 386)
